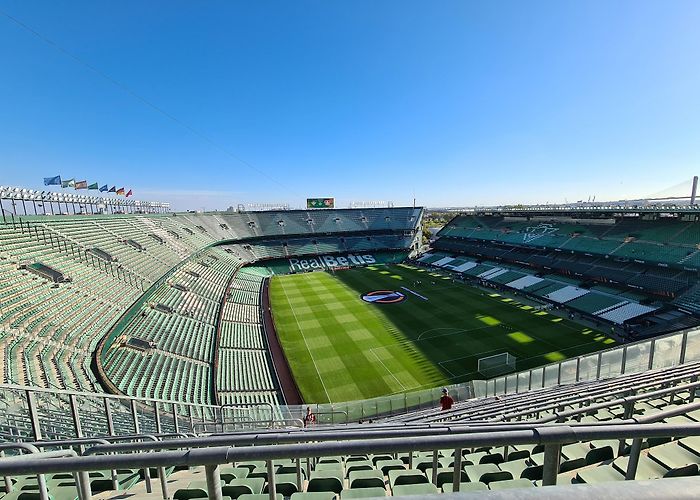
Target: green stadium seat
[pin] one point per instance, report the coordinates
(406, 476)
(325, 480)
(363, 493)
(357, 465)
(491, 477)
(445, 475)
(313, 495)
(515, 467)
(366, 479)
(509, 484)
(600, 474)
(673, 456)
(646, 468)
(388, 465)
(237, 487)
(691, 444)
(415, 489)
(228, 473)
(465, 487)
(285, 484)
(475, 472)
(518, 455)
(378, 457)
(196, 489)
(259, 496)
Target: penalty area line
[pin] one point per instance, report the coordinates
(403, 388)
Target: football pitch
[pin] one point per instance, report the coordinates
(342, 348)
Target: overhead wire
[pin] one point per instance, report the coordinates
(140, 98)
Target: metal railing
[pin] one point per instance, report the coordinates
(32, 413)
(214, 451)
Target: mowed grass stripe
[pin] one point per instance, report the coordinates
(364, 350)
(302, 348)
(341, 347)
(342, 354)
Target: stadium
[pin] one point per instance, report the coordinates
(230, 325)
(333, 254)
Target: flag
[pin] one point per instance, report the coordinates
(81, 185)
(93, 186)
(129, 193)
(120, 191)
(68, 184)
(113, 189)
(103, 188)
(52, 181)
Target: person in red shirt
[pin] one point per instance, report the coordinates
(446, 401)
(309, 418)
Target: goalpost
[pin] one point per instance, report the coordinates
(496, 365)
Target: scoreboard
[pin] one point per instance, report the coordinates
(320, 202)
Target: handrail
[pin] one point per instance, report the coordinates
(552, 437)
(615, 402)
(271, 423)
(248, 406)
(359, 432)
(101, 395)
(580, 394)
(81, 478)
(671, 412)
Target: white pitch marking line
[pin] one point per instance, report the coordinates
(306, 343)
(446, 369)
(481, 355)
(371, 349)
(454, 332)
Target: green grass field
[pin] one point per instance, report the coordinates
(341, 348)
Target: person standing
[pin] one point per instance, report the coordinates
(309, 418)
(446, 401)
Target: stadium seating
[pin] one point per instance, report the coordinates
(629, 260)
(663, 241)
(244, 373)
(50, 330)
(190, 329)
(525, 425)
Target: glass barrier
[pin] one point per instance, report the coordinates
(610, 363)
(98, 414)
(636, 357)
(567, 372)
(536, 378)
(667, 351)
(551, 375)
(384, 406)
(692, 346)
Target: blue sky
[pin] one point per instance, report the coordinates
(461, 103)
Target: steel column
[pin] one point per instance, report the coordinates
(108, 414)
(457, 470)
(550, 469)
(33, 415)
(213, 482)
(271, 484)
(435, 467)
(634, 459)
(76, 416)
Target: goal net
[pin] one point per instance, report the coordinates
(496, 365)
